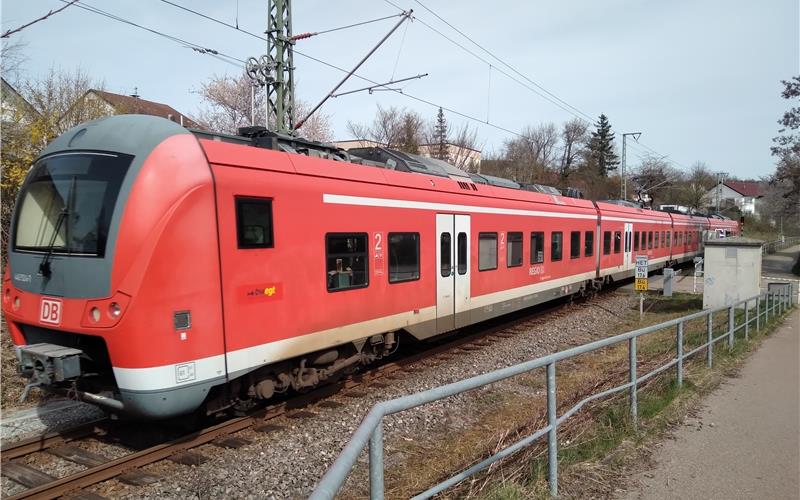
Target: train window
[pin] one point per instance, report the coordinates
(446, 247)
(655, 244)
(650, 239)
(556, 245)
(663, 239)
(668, 239)
(617, 241)
(606, 242)
(346, 261)
(254, 222)
(636, 240)
(514, 250)
(487, 251)
(588, 244)
(574, 244)
(462, 253)
(403, 257)
(537, 248)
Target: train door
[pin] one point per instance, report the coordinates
(453, 271)
(628, 247)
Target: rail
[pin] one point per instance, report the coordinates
(773, 246)
(370, 432)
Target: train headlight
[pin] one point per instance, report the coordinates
(95, 314)
(16, 303)
(114, 310)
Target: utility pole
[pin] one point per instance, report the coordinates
(624, 187)
(280, 93)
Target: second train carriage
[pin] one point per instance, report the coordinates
(154, 272)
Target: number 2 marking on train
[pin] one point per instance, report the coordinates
(378, 241)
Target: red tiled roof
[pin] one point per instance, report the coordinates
(136, 105)
(745, 188)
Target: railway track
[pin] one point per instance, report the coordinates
(128, 468)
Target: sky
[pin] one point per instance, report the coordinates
(700, 79)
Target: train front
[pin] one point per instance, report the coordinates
(111, 290)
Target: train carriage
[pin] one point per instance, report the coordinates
(155, 272)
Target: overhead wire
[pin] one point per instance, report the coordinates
(550, 96)
(191, 45)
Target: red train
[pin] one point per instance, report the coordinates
(155, 271)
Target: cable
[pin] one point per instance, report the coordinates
(49, 13)
(196, 47)
(577, 112)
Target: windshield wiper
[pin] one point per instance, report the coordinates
(44, 266)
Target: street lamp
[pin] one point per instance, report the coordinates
(624, 187)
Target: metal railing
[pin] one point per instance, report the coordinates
(773, 246)
(370, 432)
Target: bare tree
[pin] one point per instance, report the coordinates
(691, 190)
(393, 127)
(12, 58)
(653, 178)
(59, 100)
(232, 103)
(574, 140)
(463, 145)
(533, 153)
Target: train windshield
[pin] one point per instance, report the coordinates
(68, 202)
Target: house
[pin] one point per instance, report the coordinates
(742, 194)
(15, 108)
(460, 156)
(108, 103)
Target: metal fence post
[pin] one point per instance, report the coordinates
(680, 354)
(552, 435)
(710, 339)
(747, 320)
(766, 308)
(376, 463)
(758, 313)
(632, 378)
(731, 325)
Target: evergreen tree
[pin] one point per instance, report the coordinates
(601, 146)
(440, 148)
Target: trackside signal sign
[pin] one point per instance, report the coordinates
(641, 273)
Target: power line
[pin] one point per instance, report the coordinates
(50, 13)
(312, 58)
(196, 47)
(553, 98)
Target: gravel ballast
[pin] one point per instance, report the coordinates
(287, 462)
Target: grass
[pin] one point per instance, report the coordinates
(595, 444)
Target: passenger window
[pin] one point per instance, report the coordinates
(556, 245)
(588, 244)
(462, 253)
(514, 250)
(403, 257)
(446, 247)
(487, 251)
(635, 240)
(574, 244)
(650, 239)
(668, 238)
(607, 243)
(655, 245)
(254, 222)
(617, 241)
(663, 239)
(537, 248)
(346, 261)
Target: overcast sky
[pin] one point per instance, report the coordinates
(699, 78)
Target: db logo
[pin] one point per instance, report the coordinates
(51, 311)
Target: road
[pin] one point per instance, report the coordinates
(745, 441)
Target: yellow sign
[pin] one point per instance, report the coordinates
(641, 284)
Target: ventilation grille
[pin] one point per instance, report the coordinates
(468, 186)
